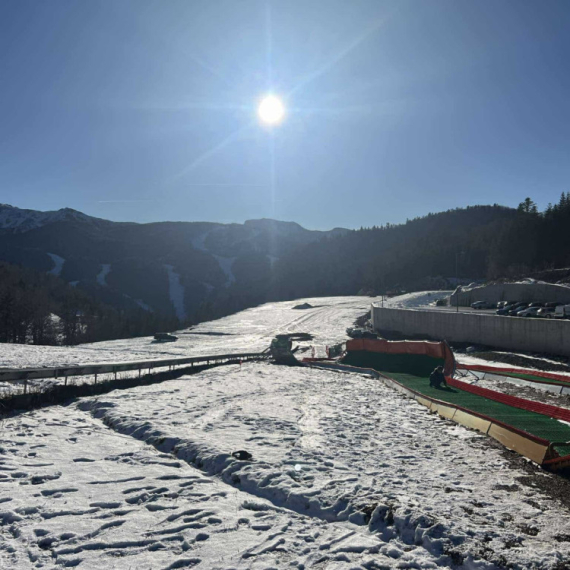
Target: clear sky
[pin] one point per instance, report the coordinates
(146, 110)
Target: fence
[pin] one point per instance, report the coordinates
(26, 374)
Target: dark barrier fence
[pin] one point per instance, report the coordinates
(23, 375)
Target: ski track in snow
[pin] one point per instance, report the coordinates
(176, 292)
(346, 473)
(102, 275)
(58, 264)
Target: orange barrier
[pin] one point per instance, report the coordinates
(439, 350)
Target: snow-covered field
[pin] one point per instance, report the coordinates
(248, 331)
(345, 473)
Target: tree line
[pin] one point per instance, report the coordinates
(429, 252)
(473, 243)
(38, 308)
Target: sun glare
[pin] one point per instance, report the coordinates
(271, 110)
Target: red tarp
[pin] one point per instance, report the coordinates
(498, 370)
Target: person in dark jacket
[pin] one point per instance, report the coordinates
(437, 378)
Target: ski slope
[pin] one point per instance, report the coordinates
(345, 472)
(248, 331)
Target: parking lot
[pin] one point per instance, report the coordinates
(471, 310)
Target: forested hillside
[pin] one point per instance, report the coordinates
(42, 309)
(420, 253)
(478, 242)
(235, 267)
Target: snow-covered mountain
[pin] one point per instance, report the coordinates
(22, 220)
(167, 267)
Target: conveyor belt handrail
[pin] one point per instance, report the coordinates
(18, 374)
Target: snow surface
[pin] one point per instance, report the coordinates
(176, 292)
(414, 300)
(143, 305)
(248, 331)
(21, 220)
(226, 266)
(102, 275)
(199, 242)
(58, 264)
(346, 473)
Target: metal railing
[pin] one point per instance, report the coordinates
(24, 374)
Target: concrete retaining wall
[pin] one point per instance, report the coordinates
(511, 333)
(527, 292)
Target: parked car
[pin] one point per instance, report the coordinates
(529, 312)
(537, 304)
(518, 307)
(562, 312)
(165, 337)
(545, 312)
(481, 305)
(553, 304)
(506, 308)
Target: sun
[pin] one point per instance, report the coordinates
(271, 110)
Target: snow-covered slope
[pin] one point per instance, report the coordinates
(248, 331)
(22, 220)
(102, 275)
(346, 473)
(57, 264)
(176, 292)
(220, 255)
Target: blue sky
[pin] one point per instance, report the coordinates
(146, 111)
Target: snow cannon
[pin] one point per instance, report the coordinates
(419, 358)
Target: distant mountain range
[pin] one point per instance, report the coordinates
(172, 268)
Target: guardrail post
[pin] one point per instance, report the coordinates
(95, 377)
(25, 386)
(65, 383)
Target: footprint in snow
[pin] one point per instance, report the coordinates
(55, 493)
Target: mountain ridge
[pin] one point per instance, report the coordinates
(168, 267)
